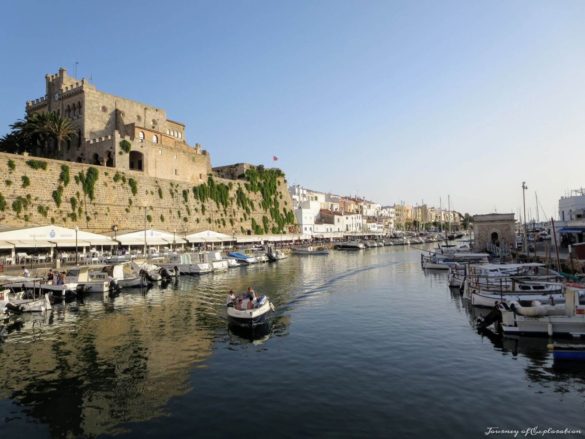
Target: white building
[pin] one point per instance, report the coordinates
(572, 206)
(306, 214)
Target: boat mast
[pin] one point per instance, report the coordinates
(449, 213)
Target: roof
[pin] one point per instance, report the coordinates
(150, 237)
(51, 236)
(209, 236)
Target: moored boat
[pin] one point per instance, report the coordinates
(516, 320)
(310, 250)
(242, 258)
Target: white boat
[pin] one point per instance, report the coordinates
(124, 275)
(310, 250)
(19, 303)
(218, 263)
(148, 270)
(242, 258)
(439, 261)
(188, 263)
(21, 283)
(247, 313)
(489, 300)
(517, 321)
(275, 254)
(88, 279)
(505, 278)
(349, 245)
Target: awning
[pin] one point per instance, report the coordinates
(31, 243)
(572, 230)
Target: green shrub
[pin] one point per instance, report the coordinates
(125, 146)
(149, 218)
(43, 210)
(8, 183)
(133, 186)
(11, 165)
(25, 181)
(73, 202)
(160, 193)
(2, 203)
(57, 196)
(88, 181)
(64, 175)
(37, 164)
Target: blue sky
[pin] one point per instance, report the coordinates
(392, 100)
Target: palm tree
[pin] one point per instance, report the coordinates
(58, 128)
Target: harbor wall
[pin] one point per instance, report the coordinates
(35, 191)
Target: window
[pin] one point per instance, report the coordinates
(168, 131)
(176, 172)
(141, 136)
(136, 160)
(154, 138)
(180, 135)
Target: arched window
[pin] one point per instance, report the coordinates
(68, 111)
(136, 161)
(79, 108)
(141, 136)
(154, 138)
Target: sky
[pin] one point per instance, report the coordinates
(394, 101)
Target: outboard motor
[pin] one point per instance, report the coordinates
(495, 316)
(165, 275)
(114, 288)
(15, 309)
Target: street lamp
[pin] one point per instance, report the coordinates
(524, 187)
(76, 252)
(115, 230)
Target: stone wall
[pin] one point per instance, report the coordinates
(129, 200)
(497, 227)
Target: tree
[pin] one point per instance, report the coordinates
(35, 131)
(59, 129)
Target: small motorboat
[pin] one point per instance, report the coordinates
(248, 313)
(567, 351)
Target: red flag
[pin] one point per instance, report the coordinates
(274, 158)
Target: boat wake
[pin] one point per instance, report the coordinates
(308, 294)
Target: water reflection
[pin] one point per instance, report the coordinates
(540, 368)
(92, 369)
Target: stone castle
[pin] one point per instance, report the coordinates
(118, 132)
(129, 166)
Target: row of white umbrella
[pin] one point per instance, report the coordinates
(57, 236)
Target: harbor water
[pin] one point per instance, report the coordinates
(363, 344)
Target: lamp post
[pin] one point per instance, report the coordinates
(76, 252)
(115, 230)
(524, 187)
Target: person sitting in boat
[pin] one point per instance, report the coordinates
(231, 300)
(251, 294)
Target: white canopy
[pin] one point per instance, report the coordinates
(209, 236)
(152, 237)
(51, 236)
(246, 239)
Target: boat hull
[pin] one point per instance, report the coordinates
(249, 318)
